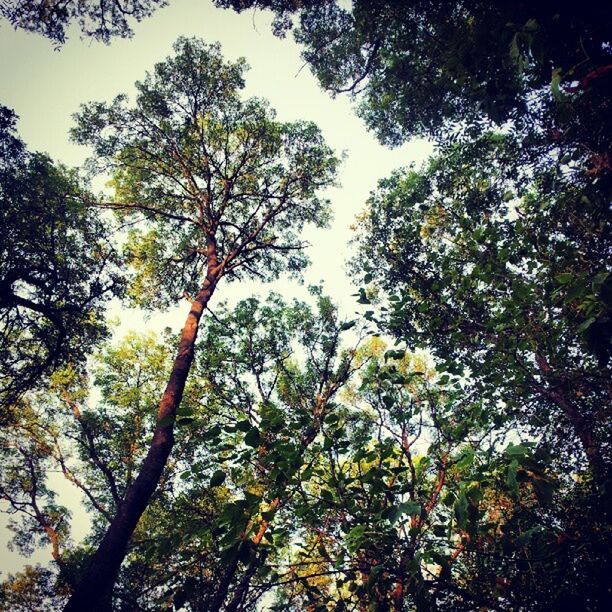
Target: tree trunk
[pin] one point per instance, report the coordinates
(584, 432)
(245, 583)
(581, 426)
(93, 593)
(225, 582)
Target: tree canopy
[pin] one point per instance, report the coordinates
(58, 267)
(446, 448)
(100, 19)
(422, 67)
(211, 176)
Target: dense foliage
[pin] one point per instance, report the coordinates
(99, 19)
(219, 190)
(488, 267)
(447, 449)
(425, 67)
(57, 267)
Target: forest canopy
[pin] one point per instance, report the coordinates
(446, 446)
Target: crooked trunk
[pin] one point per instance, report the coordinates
(93, 593)
(584, 430)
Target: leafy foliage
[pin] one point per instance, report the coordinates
(209, 173)
(488, 268)
(58, 267)
(34, 588)
(421, 67)
(314, 463)
(100, 20)
(243, 440)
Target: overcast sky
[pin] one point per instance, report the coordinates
(46, 86)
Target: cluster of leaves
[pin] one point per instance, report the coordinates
(500, 270)
(422, 67)
(100, 19)
(495, 255)
(254, 407)
(335, 475)
(208, 173)
(57, 270)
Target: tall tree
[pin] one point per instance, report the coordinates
(58, 267)
(223, 191)
(247, 436)
(289, 367)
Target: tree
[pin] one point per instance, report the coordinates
(487, 265)
(421, 502)
(223, 191)
(294, 358)
(419, 68)
(27, 450)
(32, 589)
(100, 20)
(474, 475)
(58, 267)
(241, 456)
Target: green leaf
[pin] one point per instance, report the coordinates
(355, 537)
(576, 291)
(184, 410)
(185, 420)
(218, 478)
(564, 278)
(555, 85)
(243, 426)
(213, 432)
(253, 437)
(599, 279)
(399, 354)
(244, 552)
(461, 510)
(511, 481)
(586, 324)
(374, 573)
(544, 490)
(327, 495)
(440, 531)
(466, 460)
(517, 450)
(393, 513)
(363, 298)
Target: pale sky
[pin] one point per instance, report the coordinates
(45, 87)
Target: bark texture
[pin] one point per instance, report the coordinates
(93, 593)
